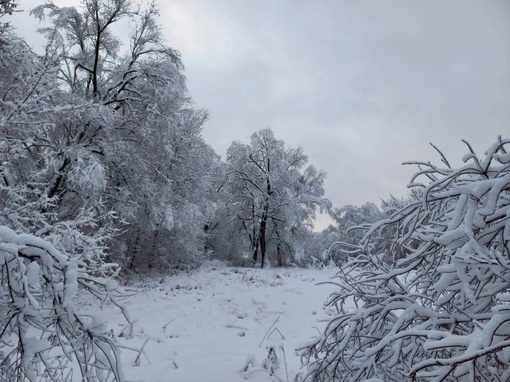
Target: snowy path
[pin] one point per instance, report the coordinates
(204, 326)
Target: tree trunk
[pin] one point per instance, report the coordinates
(132, 248)
(263, 221)
(279, 257)
(262, 237)
(255, 248)
(154, 249)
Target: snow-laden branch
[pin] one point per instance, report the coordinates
(43, 331)
(431, 303)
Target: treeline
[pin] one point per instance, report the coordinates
(102, 153)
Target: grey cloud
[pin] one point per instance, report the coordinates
(361, 85)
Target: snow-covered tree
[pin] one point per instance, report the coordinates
(51, 182)
(133, 147)
(101, 154)
(30, 150)
(354, 221)
(442, 312)
(393, 204)
(166, 229)
(43, 335)
(317, 245)
(270, 196)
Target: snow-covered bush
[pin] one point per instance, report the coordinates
(43, 335)
(442, 311)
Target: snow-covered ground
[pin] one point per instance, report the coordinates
(212, 324)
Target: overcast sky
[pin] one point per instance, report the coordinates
(361, 85)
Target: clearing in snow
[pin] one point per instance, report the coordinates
(221, 324)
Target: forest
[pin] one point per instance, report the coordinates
(106, 180)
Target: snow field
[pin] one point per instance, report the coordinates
(216, 324)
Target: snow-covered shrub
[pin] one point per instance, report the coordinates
(442, 311)
(43, 335)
